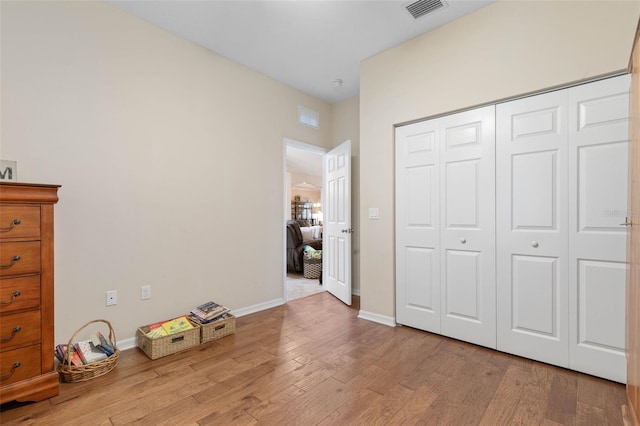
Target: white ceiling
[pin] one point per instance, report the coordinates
(306, 44)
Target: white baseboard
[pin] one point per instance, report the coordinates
(257, 308)
(355, 291)
(380, 319)
(125, 344)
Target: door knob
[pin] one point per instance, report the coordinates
(347, 231)
(463, 240)
(534, 244)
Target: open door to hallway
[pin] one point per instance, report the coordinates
(337, 222)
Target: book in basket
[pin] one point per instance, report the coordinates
(88, 352)
(177, 325)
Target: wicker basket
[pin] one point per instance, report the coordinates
(81, 373)
(167, 345)
(312, 268)
(217, 329)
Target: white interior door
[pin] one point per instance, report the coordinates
(336, 247)
(418, 226)
(598, 158)
(467, 228)
(531, 208)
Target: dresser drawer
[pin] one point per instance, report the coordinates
(19, 329)
(19, 258)
(19, 293)
(20, 222)
(19, 364)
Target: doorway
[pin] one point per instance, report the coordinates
(303, 201)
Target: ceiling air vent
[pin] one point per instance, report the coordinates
(419, 8)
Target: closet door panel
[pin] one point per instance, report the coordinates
(534, 288)
(461, 210)
(531, 211)
(462, 271)
(602, 188)
(417, 226)
(601, 293)
(467, 211)
(534, 183)
(598, 159)
(419, 278)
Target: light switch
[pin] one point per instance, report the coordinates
(374, 213)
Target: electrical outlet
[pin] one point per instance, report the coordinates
(112, 297)
(145, 292)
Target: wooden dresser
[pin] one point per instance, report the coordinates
(26, 292)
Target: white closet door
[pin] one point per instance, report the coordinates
(598, 141)
(531, 208)
(467, 238)
(418, 226)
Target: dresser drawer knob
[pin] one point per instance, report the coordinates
(13, 298)
(14, 223)
(13, 370)
(14, 259)
(13, 334)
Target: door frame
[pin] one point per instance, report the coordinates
(286, 205)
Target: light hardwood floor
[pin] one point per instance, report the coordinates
(312, 361)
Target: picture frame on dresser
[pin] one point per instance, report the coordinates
(27, 370)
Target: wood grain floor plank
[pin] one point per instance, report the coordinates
(415, 408)
(384, 408)
(587, 415)
(532, 407)
(171, 414)
(505, 400)
(445, 412)
(273, 405)
(563, 398)
(155, 394)
(351, 409)
(278, 383)
(236, 417)
(317, 402)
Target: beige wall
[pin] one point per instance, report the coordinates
(345, 119)
(165, 153)
(503, 50)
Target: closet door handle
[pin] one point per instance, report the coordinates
(463, 240)
(534, 244)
